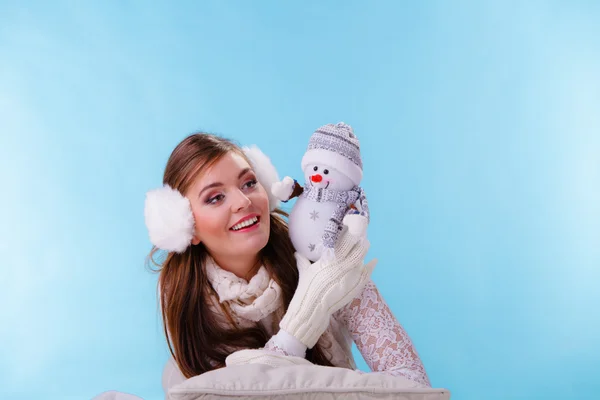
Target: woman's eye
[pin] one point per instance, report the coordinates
(214, 199)
(315, 168)
(250, 184)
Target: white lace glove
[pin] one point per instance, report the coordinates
(326, 286)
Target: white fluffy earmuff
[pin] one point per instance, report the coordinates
(169, 219)
(168, 214)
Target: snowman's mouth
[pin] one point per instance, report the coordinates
(328, 182)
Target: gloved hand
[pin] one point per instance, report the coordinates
(326, 286)
(262, 356)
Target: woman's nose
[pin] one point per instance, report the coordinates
(316, 178)
(241, 201)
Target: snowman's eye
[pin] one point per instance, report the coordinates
(315, 168)
(325, 171)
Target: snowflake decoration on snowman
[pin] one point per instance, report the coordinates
(331, 197)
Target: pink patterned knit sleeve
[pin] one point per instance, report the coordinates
(380, 338)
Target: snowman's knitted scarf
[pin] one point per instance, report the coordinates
(344, 199)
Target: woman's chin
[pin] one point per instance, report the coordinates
(250, 243)
(257, 243)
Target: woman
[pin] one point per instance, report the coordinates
(233, 290)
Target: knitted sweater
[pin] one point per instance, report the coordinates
(366, 321)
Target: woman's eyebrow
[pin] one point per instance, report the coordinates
(243, 172)
(217, 184)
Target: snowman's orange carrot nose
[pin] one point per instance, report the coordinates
(316, 178)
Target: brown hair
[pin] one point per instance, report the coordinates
(196, 340)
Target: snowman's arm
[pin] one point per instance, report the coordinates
(296, 191)
(286, 189)
(361, 206)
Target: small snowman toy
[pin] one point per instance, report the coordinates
(331, 196)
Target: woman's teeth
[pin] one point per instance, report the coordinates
(244, 224)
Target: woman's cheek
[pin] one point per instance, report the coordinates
(204, 219)
(261, 198)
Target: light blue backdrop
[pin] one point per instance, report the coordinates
(480, 127)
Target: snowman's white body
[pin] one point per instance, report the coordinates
(309, 218)
(307, 225)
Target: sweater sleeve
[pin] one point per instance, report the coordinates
(382, 341)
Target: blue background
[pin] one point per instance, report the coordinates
(480, 129)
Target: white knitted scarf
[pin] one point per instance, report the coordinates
(253, 300)
(260, 297)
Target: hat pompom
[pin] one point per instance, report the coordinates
(169, 219)
(265, 172)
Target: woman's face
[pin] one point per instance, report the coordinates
(231, 209)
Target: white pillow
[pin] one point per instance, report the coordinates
(299, 382)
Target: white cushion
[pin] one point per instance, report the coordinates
(299, 382)
(114, 395)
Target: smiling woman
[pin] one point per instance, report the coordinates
(233, 289)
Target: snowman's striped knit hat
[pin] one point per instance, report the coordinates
(335, 146)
